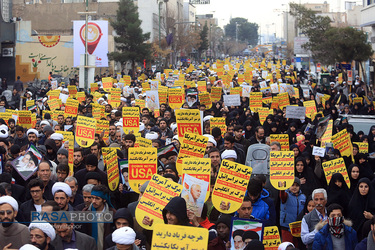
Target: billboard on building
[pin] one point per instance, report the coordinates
(97, 41)
(298, 42)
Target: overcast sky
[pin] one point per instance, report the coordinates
(263, 12)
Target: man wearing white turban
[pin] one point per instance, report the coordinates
(124, 238)
(12, 235)
(42, 234)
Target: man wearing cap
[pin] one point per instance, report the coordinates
(61, 194)
(42, 234)
(124, 238)
(222, 241)
(12, 235)
(58, 138)
(91, 166)
(32, 136)
(62, 155)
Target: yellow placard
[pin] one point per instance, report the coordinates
(163, 96)
(263, 113)
(140, 103)
(295, 228)
(158, 193)
(255, 100)
(142, 166)
(363, 147)
(175, 98)
(192, 145)
(230, 186)
(24, 119)
(68, 136)
(30, 103)
(199, 168)
(327, 134)
(177, 237)
(336, 166)
(130, 119)
(56, 114)
(205, 99)
(85, 132)
(283, 139)
(113, 174)
(310, 107)
(103, 125)
(283, 100)
(236, 91)
(72, 90)
(94, 87)
(202, 86)
(81, 96)
(141, 142)
(282, 169)
(107, 83)
(341, 141)
(188, 120)
(71, 107)
(53, 104)
(218, 122)
(271, 238)
(216, 94)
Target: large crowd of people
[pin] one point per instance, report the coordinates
(333, 215)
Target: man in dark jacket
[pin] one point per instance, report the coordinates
(258, 138)
(221, 242)
(18, 85)
(239, 138)
(21, 138)
(16, 99)
(336, 232)
(36, 188)
(91, 166)
(229, 144)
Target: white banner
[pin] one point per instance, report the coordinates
(97, 41)
(232, 100)
(295, 112)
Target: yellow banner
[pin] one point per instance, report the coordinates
(216, 94)
(263, 113)
(24, 119)
(103, 125)
(255, 101)
(202, 86)
(363, 147)
(107, 83)
(141, 142)
(310, 107)
(81, 96)
(140, 103)
(72, 90)
(282, 169)
(177, 237)
(204, 98)
(85, 132)
(295, 228)
(143, 163)
(53, 104)
(283, 100)
(158, 193)
(230, 186)
(327, 134)
(192, 145)
(336, 166)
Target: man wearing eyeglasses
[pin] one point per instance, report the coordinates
(36, 188)
(42, 234)
(12, 234)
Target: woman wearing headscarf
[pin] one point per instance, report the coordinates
(249, 128)
(354, 176)
(295, 149)
(327, 109)
(371, 139)
(362, 205)
(292, 131)
(306, 176)
(267, 125)
(365, 168)
(338, 192)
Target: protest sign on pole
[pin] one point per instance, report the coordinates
(363, 147)
(188, 120)
(336, 166)
(24, 119)
(194, 192)
(71, 107)
(263, 113)
(142, 166)
(310, 107)
(255, 101)
(327, 134)
(85, 132)
(282, 169)
(158, 193)
(175, 98)
(241, 228)
(230, 186)
(216, 94)
(103, 125)
(130, 119)
(205, 99)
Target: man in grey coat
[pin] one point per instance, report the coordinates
(67, 237)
